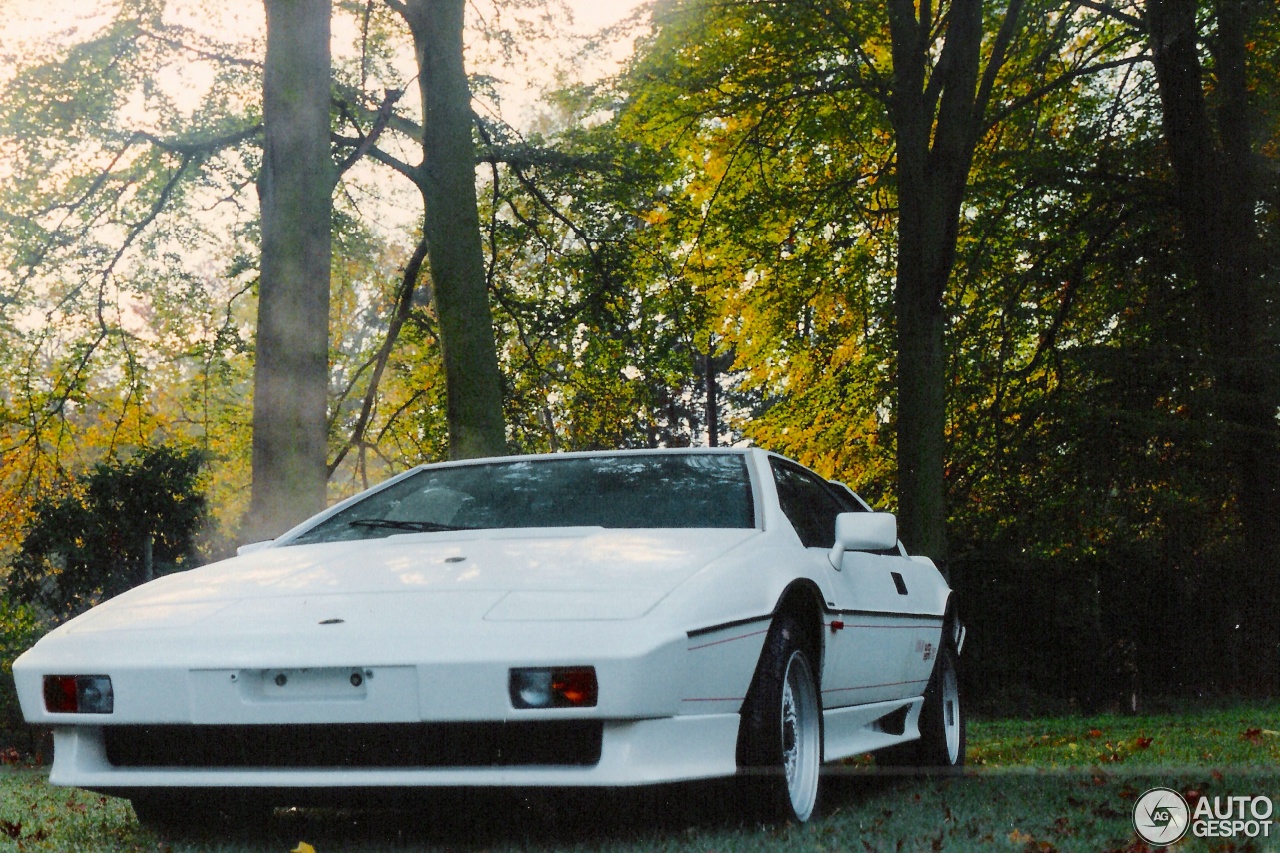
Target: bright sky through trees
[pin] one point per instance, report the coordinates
(24, 26)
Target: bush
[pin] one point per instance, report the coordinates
(109, 530)
(19, 629)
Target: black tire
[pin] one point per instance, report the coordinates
(780, 734)
(943, 724)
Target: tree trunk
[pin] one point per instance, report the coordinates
(473, 383)
(1216, 192)
(936, 136)
(711, 384)
(296, 184)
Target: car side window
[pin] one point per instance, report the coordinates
(808, 503)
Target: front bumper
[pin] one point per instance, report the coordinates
(633, 752)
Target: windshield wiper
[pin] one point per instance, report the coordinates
(396, 524)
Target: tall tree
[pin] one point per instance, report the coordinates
(936, 112)
(451, 225)
(296, 186)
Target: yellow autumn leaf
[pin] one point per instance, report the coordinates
(303, 847)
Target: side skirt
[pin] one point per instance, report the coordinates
(862, 728)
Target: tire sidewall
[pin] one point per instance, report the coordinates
(760, 736)
(934, 752)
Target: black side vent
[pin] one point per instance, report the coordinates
(894, 723)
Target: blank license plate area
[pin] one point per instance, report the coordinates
(326, 684)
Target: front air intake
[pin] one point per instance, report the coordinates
(365, 745)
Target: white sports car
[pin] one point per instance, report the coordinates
(575, 619)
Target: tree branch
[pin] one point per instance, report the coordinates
(1112, 12)
(367, 141)
(404, 304)
(1059, 82)
(196, 148)
(203, 54)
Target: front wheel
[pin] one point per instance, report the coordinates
(780, 743)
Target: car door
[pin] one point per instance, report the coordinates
(871, 623)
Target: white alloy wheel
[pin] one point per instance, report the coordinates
(952, 726)
(801, 736)
(780, 736)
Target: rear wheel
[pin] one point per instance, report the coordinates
(780, 740)
(941, 746)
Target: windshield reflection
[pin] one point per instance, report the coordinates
(620, 491)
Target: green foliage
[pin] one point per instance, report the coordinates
(112, 529)
(20, 627)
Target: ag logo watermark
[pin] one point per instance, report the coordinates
(1162, 816)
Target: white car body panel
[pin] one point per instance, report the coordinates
(672, 620)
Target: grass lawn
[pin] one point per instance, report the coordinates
(1042, 785)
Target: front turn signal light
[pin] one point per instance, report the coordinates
(554, 687)
(78, 694)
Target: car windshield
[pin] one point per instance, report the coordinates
(621, 491)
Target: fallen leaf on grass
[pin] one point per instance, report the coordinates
(1142, 742)
(1095, 733)
(1029, 843)
(13, 830)
(1253, 735)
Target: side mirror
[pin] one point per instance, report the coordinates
(863, 531)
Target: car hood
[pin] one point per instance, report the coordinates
(496, 576)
